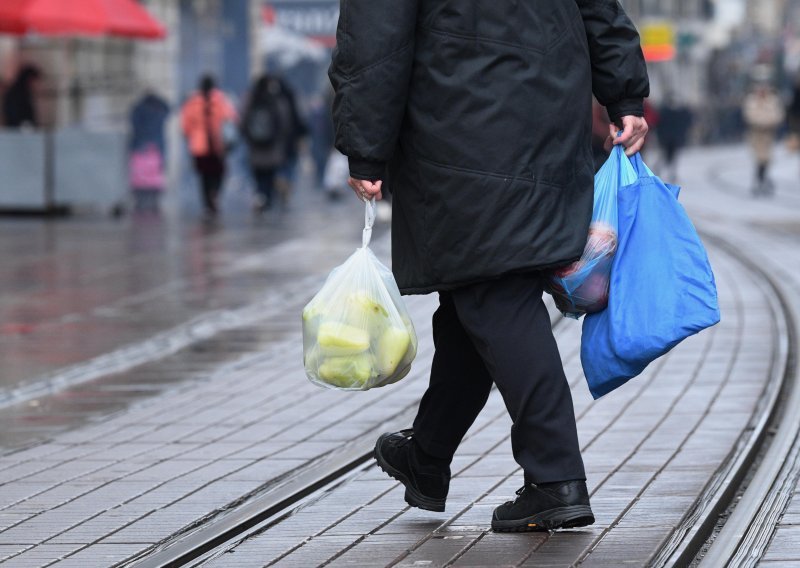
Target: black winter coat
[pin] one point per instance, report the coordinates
(477, 114)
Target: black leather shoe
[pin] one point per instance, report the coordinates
(426, 482)
(545, 507)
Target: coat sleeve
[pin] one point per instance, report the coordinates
(370, 74)
(619, 72)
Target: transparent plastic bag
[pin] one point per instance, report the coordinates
(357, 334)
(582, 287)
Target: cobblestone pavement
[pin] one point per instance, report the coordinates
(241, 418)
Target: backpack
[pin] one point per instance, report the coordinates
(261, 125)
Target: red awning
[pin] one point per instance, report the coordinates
(127, 18)
(122, 18)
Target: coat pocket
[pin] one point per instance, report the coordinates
(479, 225)
(531, 25)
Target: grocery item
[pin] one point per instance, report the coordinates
(357, 333)
(583, 286)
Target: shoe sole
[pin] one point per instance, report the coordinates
(560, 518)
(412, 496)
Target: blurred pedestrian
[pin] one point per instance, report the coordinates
(19, 103)
(147, 161)
(287, 174)
(270, 127)
(675, 121)
(321, 131)
(207, 120)
(793, 112)
(764, 113)
(479, 122)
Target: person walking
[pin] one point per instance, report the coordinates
(148, 151)
(321, 131)
(673, 133)
(763, 113)
(270, 127)
(206, 120)
(287, 174)
(477, 116)
(19, 103)
(793, 114)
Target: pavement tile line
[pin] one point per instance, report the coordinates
(543, 543)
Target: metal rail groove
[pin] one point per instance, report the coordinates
(699, 523)
(312, 478)
(746, 533)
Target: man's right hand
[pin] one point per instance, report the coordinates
(366, 190)
(634, 132)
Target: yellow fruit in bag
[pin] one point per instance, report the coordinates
(368, 305)
(392, 347)
(346, 372)
(364, 312)
(339, 339)
(311, 311)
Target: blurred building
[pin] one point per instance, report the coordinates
(90, 84)
(767, 16)
(92, 81)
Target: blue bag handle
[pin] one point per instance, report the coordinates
(646, 173)
(641, 168)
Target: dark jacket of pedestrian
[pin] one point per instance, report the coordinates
(674, 125)
(478, 116)
(793, 111)
(19, 107)
(147, 119)
(271, 124)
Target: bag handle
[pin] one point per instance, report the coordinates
(641, 168)
(369, 221)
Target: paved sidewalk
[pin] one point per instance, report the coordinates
(108, 490)
(650, 449)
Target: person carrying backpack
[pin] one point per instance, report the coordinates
(204, 118)
(268, 127)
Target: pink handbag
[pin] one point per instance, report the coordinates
(146, 169)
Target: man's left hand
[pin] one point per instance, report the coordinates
(366, 190)
(634, 132)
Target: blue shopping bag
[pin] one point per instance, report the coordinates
(662, 287)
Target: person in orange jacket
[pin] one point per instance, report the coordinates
(206, 119)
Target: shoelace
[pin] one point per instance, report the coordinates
(405, 441)
(519, 493)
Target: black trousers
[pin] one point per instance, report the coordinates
(265, 184)
(211, 169)
(500, 332)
